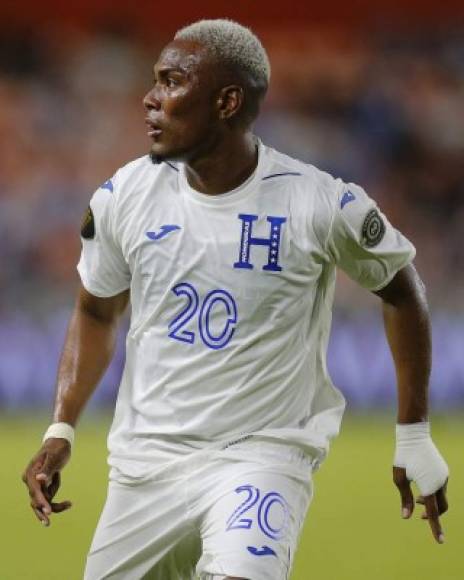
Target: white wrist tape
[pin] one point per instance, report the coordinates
(416, 452)
(60, 431)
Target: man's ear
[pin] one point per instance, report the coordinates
(230, 101)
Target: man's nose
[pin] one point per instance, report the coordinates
(151, 100)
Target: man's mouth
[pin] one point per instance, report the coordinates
(154, 130)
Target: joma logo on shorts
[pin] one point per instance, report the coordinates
(264, 551)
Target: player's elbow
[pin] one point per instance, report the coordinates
(102, 310)
(405, 288)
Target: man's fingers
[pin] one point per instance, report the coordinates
(43, 518)
(43, 514)
(61, 506)
(35, 481)
(431, 508)
(50, 490)
(404, 487)
(47, 492)
(442, 500)
(42, 478)
(38, 499)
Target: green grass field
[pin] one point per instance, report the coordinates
(353, 530)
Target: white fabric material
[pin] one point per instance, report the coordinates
(210, 513)
(215, 350)
(60, 431)
(417, 453)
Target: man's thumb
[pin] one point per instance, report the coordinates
(46, 471)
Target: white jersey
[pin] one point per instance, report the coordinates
(231, 301)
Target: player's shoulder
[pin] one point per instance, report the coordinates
(126, 173)
(307, 179)
(135, 173)
(136, 178)
(137, 165)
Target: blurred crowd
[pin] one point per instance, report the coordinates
(386, 112)
(383, 110)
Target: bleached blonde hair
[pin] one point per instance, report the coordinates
(231, 43)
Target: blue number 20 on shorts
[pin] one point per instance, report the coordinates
(271, 516)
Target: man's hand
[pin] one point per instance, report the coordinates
(417, 459)
(435, 504)
(88, 349)
(42, 478)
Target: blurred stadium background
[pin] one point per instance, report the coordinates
(372, 92)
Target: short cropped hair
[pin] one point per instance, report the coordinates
(233, 44)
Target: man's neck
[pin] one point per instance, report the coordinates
(226, 167)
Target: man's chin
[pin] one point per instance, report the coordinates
(159, 154)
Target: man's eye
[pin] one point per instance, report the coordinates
(171, 82)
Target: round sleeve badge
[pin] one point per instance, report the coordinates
(373, 229)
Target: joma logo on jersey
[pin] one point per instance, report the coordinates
(272, 242)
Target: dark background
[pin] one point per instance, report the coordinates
(372, 92)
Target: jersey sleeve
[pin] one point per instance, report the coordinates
(103, 270)
(362, 241)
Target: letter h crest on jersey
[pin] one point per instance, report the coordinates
(248, 240)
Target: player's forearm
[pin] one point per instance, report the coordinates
(407, 327)
(408, 332)
(87, 352)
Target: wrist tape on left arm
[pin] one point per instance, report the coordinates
(417, 453)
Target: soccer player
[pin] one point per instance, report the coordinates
(226, 251)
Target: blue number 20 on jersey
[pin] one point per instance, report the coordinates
(198, 312)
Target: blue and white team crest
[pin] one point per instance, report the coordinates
(272, 242)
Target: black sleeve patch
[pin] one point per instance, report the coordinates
(373, 229)
(88, 225)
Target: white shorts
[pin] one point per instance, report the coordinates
(233, 512)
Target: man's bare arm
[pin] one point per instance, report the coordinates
(407, 326)
(87, 352)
